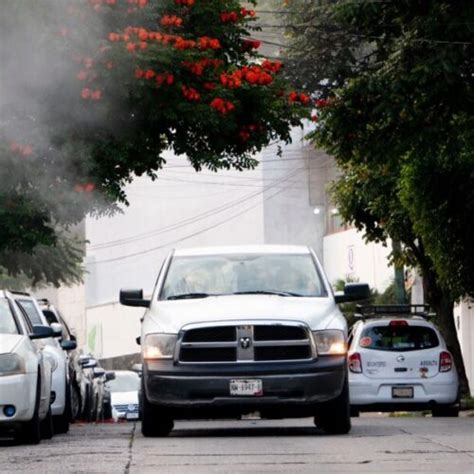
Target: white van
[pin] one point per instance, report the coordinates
(235, 330)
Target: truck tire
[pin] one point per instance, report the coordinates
(29, 432)
(334, 416)
(155, 422)
(445, 411)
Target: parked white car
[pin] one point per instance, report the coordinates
(25, 376)
(61, 395)
(124, 395)
(234, 330)
(398, 360)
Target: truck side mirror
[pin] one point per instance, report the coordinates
(353, 292)
(133, 298)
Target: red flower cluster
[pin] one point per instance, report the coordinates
(88, 94)
(140, 3)
(190, 93)
(177, 41)
(271, 66)
(171, 20)
(256, 75)
(24, 150)
(302, 98)
(165, 78)
(233, 80)
(209, 43)
(198, 67)
(234, 16)
(149, 74)
(321, 103)
(249, 44)
(222, 106)
(84, 188)
(314, 118)
(247, 130)
(185, 3)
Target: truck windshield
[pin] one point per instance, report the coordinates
(216, 275)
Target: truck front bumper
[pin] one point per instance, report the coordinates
(294, 384)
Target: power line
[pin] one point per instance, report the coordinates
(190, 220)
(194, 234)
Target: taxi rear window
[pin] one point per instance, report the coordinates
(398, 338)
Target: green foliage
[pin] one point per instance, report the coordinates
(97, 91)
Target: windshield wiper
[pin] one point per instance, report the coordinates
(186, 296)
(267, 292)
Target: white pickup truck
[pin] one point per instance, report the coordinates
(243, 329)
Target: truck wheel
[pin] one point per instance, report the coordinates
(445, 410)
(355, 413)
(334, 416)
(46, 426)
(29, 432)
(61, 422)
(155, 422)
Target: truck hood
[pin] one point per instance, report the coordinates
(171, 316)
(8, 342)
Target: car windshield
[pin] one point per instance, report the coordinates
(214, 275)
(31, 310)
(7, 321)
(125, 382)
(398, 338)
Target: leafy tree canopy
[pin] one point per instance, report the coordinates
(93, 92)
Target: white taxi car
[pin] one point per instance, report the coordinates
(25, 376)
(398, 360)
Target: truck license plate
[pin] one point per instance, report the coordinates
(402, 392)
(246, 387)
(131, 416)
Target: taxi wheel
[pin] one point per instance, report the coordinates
(155, 423)
(46, 426)
(445, 411)
(334, 416)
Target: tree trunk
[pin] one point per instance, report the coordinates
(443, 304)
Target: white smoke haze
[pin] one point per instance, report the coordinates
(39, 97)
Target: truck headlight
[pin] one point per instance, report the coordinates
(159, 346)
(11, 364)
(331, 342)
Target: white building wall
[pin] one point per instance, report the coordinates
(464, 319)
(347, 256)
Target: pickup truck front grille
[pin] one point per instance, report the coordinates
(245, 343)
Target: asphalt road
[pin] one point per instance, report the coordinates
(375, 444)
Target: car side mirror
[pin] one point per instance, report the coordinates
(138, 340)
(57, 328)
(133, 298)
(41, 332)
(98, 372)
(83, 360)
(68, 345)
(90, 364)
(109, 376)
(353, 292)
(138, 368)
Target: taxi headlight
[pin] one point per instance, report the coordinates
(331, 342)
(159, 346)
(53, 362)
(11, 364)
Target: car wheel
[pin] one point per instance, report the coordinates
(29, 432)
(46, 426)
(61, 422)
(445, 411)
(334, 416)
(75, 403)
(107, 411)
(355, 413)
(155, 421)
